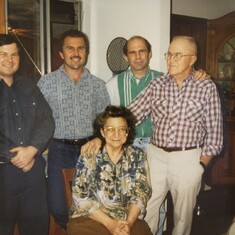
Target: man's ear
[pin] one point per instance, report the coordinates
(61, 55)
(193, 59)
(125, 58)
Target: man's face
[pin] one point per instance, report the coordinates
(138, 55)
(74, 53)
(9, 60)
(182, 58)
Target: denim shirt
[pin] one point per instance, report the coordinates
(25, 116)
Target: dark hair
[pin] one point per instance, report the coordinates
(7, 39)
(148, 45)
(74, 33)
(113, 112)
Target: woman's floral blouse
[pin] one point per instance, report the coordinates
(98, 183)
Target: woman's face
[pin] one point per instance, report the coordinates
(115, 132)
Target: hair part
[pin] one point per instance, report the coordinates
(112, 111)
(74, 33)
(148, 45)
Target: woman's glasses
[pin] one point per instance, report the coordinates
(112, 130)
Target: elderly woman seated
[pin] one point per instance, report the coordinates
(110, 191)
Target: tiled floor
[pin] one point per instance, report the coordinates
(213, 214)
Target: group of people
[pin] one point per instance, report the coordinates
(148, 133)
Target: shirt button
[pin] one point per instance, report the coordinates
(21, 142)
(19, 128)
(17, 114)
(14, 101)
(34, 103)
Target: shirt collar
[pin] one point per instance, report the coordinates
(84, 75)
(144, 78)
(189, 78)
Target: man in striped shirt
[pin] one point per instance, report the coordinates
(186, 134)
(124, 87)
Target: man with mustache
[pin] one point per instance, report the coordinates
(76, 97)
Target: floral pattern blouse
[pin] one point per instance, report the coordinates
(99, 183)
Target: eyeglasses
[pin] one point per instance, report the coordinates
(112, 130)
(177, 56)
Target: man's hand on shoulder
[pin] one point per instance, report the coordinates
(92, 147)
(201, 75)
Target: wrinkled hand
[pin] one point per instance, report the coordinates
(206, 159)
(120, 227)
(201, 75)
(24, 157)
(91, 148)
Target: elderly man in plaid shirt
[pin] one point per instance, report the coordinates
(186, 134)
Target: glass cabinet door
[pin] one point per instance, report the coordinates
(226, 74)
(38, 25)
(24, 22)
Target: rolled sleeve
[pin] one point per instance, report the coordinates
(213, 143)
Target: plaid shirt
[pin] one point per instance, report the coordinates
(185, 117)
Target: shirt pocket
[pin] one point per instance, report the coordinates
(29, 111)
(194, 111)
(160, 108)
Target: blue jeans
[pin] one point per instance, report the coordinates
(23, 199)
(59, 156)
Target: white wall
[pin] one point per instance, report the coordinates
(103, 20)
(209, 9)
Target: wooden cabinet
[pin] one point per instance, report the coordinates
(223, 166)
(195, 27)
(221, 65)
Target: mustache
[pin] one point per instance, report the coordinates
(76, 57)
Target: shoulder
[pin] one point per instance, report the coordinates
(25, 84)
(156, 73)
(27, 88)
(51, 74)
(118, 77)
(205, 84)
(112, 81)
(159, 81)
(49, 78)
(24, 80)
(94, 78)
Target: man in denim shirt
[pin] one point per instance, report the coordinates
(26, 126)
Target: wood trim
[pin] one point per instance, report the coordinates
(194, 27)
(2, 17)
(227, 20)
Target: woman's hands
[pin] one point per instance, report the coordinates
(115, 226)
(119, 227)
